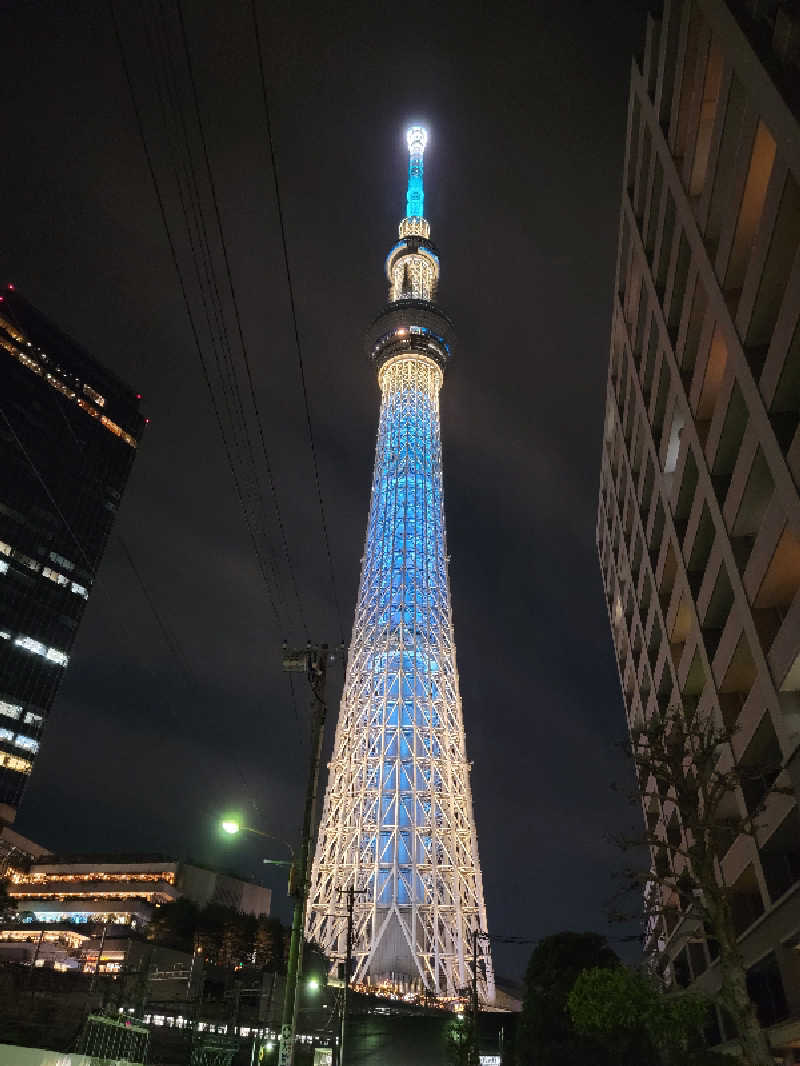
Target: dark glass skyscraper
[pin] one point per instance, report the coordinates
(68, 435)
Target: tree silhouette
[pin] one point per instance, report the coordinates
(698, 800)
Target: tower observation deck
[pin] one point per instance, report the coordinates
(397, 822)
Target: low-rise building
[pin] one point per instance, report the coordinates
(109, 950)
(58, 946)
(125, 889)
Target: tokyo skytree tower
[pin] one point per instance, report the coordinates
(397, 822)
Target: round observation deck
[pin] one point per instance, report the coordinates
(410, 326)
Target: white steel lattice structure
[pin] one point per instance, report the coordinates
(397, 821)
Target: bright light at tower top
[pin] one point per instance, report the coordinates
(416, 139)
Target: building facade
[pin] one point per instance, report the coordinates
(68, 435)
(124, 890)
(397, 823)
(698, 526)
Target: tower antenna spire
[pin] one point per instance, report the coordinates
(416, 139)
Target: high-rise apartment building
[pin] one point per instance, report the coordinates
(699, 519)
(397, 824)
(68, 435)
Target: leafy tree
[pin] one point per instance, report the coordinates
(629, 1010)
(460, 1042)
(225, 936)
(698, 801)
(269, 943)
(546, 1035)
(174, 924)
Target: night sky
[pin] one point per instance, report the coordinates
(151, 738)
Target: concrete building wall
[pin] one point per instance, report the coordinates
(16, 848)
(208, 886)
(256, 900)
(699, 517)
(196, 883)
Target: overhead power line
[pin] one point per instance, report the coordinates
(233, 425)
(91, 565)
(227, 406)
(298, 346)
(237, 316)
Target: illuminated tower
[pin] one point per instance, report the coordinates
(397, 822)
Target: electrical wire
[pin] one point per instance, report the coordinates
(298, 347)
(169, 637)
(237, 317)
(187, 304)
(194, 221)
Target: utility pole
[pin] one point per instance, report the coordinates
(313, 661)
(99, 953)
(477, 935)
(348, 964)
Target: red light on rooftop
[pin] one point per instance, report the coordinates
(11, 285)
(147, 421)
(138, 396)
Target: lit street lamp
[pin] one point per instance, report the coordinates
(231, 826)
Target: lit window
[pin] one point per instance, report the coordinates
(54, 381)
(26, 743)
(5, 549)
(52, 655)
(54, 575)
(98, 399)
(3, 566)
(6, 734)
(29, 644)
(56, 558)
(118, 430)
(674, 445)
(30, 717)
(4, 635)
(26, 560)
(80, 590)
(14, 762)
(10, 710)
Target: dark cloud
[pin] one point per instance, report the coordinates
(527, 107)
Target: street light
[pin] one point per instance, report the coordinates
(312, 984)
(232, 827)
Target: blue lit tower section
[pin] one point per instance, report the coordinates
(397, 821)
